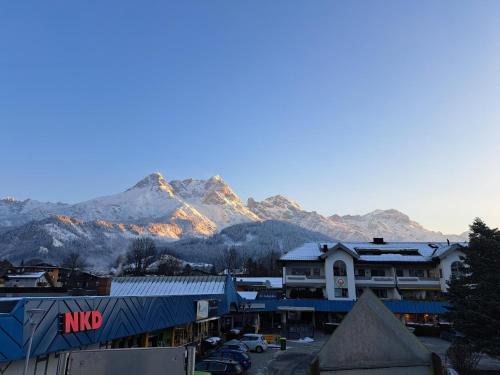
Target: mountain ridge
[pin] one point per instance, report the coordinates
(179, 209)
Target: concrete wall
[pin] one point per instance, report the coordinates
(44, 365)
(445, 267)
(349, 279)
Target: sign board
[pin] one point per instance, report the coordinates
(201, 309)
(80, 321)
(206, 309)
(144, 361)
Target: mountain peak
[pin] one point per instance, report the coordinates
(154, 181)
(391, 213)
(282, 201)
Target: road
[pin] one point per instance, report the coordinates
(294, 361)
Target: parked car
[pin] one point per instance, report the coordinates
(236, 345)
(254, 341)
(219, 367)
(235, 355)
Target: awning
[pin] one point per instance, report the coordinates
(208, 319)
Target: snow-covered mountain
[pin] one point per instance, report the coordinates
(389, 224)
(177, 210)
(215, 199)
(99, 241)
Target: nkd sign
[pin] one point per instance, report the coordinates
(80, 321)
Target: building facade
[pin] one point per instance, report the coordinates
(392, 270)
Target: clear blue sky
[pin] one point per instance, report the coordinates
(343, 106)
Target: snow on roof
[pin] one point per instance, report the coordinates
(248, 295)
(427, 250)
(32, 275)
(167, 285)
(308, 251)
(274, 282)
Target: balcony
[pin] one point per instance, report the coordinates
(305, 280)
(419, 282)
(382, 281)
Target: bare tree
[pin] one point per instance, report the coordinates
(462, 357)
(74, 261)
(231, 260)
(169, 265)
(141, 254)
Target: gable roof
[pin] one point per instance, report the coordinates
(370, 336)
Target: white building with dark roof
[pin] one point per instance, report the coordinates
(392, 270)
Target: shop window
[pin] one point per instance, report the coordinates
(339, 268)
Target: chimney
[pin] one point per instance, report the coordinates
(448, 241)
(324, 248)
(378, 241)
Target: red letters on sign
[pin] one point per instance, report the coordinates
(71, 322)
(96, 319)
(81, 321)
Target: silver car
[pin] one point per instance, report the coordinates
(255, 342)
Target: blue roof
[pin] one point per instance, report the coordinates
(122, 316)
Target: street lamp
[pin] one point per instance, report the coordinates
(33, 315)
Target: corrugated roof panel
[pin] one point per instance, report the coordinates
(167, 285)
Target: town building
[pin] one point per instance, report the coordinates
(392, 270)
(142, 312)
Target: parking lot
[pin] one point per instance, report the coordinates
(296, 359)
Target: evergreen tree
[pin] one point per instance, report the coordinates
(474, 294)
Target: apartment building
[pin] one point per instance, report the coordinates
(392, 270)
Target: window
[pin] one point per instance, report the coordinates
(378, 272)
(301, 271)
(360, 272)
(380, 293)
(339, 268)
(316, 271)
(399, 272)
(457, 269)
(417, 273)
(441, 273)
(341, 293)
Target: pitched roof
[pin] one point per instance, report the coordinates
(387, 252)
(370, 336)
(167, 285)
